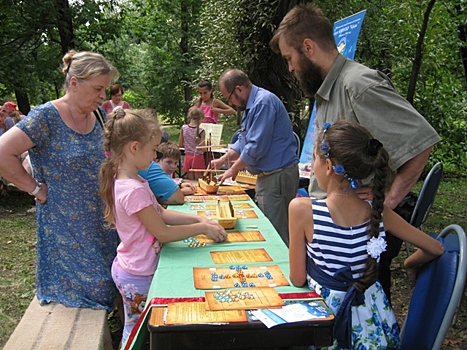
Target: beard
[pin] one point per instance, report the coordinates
(310, 76)
(241, 106)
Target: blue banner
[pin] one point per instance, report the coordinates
(346, 33)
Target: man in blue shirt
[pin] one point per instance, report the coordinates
(266, 146)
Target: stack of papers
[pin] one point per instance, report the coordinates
(298, 312)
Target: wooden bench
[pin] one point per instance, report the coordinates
(56, 327)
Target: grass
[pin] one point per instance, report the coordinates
(18, 245)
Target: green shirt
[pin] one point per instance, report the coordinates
(354, 92)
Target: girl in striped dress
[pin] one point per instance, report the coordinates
(335, 243)
(192, 136)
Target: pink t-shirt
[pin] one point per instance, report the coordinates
(138, 252)
(108, 106)
(209, 116)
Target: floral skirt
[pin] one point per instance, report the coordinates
(374, 325)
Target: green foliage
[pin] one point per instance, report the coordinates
(387, 42)
(163, 47)
(160, 50)
(217, 42)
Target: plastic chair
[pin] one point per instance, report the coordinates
(436, 295)
(426, 198)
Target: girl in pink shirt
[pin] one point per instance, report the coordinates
(192, 136)
(131, 137)
(211, 106)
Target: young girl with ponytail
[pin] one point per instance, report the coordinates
(131, 137)
(335, 243)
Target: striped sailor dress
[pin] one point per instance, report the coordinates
(335, 249)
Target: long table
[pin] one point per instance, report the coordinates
(174, 282)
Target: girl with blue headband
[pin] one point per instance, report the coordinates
(336, 243)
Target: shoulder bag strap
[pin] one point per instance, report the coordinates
(99, 117)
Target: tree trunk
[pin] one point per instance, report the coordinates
(22, 101)
(65, 26)
(417, 62)
(462, 28)
(184, 49)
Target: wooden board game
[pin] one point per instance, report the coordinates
(196, 313)
(240, 214)
(213, 206)
(220, 190)
(231, 189)
(238, 276)
(201, 199)
(243, 299)
(246, 177)
(240, 256)
(233, 236)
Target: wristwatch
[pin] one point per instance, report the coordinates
(37, 189)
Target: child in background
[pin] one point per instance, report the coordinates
(211, 106)
(168, 160)
(131, 137)
(192, 136)
(335, 243)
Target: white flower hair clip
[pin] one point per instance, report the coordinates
(375, 246)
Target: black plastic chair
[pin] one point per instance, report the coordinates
(436, 296)
(426, 198)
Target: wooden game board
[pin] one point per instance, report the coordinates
(235, 276)
(239, 214)
(201, 199)
(213, 206)
(196, 313)
(234, 236)
(243, 299)
(221, 190)
(240, 256)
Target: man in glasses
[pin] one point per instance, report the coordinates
(266, 147)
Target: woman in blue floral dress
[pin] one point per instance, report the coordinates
(64, 137)
(335, 243)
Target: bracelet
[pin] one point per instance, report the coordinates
(37, 189)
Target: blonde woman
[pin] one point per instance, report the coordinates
(75, 248)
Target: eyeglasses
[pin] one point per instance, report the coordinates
(230, 96)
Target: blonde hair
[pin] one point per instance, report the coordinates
(123, 126)
(196, 114)
(84, 65)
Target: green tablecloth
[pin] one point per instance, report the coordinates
(174, 274)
